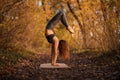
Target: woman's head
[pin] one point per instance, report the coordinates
(64, 49)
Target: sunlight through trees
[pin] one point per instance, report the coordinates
(96, 24)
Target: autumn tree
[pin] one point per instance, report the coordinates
(96, 24)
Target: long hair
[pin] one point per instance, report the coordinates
(64, 50)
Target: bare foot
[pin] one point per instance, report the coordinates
(55, 64)
(70, 29)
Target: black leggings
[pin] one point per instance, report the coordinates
(59, 16)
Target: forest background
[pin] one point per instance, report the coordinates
(22, 24)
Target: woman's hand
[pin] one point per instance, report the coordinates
(70, 29)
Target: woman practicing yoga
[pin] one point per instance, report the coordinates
(49, 33)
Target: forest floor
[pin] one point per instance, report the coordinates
(84, 66)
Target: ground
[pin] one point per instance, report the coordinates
(84, 66)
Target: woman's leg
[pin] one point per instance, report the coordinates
(64, 20)
(54, 51)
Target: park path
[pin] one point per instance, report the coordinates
(84, 66)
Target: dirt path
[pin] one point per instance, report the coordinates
(83, 67)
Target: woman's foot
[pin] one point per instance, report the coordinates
(70, 29)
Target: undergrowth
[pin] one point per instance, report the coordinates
(13, 57)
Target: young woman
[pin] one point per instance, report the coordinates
(49, 33)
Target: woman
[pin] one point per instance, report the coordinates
(59, 16)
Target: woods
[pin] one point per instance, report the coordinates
(96, 24)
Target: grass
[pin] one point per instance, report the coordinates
(13, 57)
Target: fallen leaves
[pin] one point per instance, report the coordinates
(83, 67)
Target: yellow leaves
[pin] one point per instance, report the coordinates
(72, 0)
(27, 21)
(47, 7)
